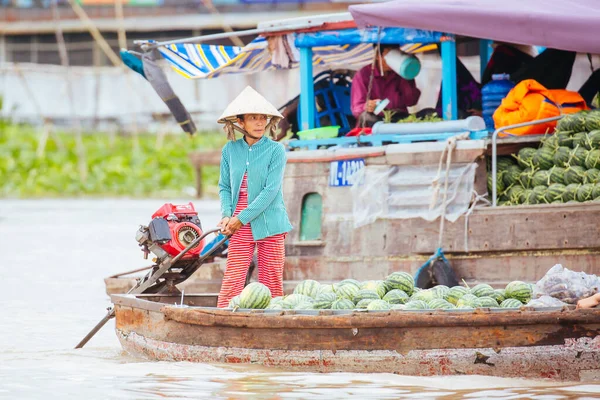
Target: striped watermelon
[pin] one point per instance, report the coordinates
(401, 280)
(468, 300)
(543, 158)
(440, 304)
(324, 301)
(377, 305)
(416, 305)
(499, 183)
(578, 124)
(305, 305)
(329, 288)
(526, 178)
(541, 178)
(483, 289)
(581, 139)
(365, 294)
(528, 196)
(525, 157)
(519, 290)
(584, 193)
(342, 304)
(440, 291)
(511, 303)
(424, 295)
(564, 138)
(455, 293)
(397, 307)
(570, 192)
(555, 192)
(308, 288)
(562, 156)
(255, 295)
(377, 286)
(550, 142)
(277, 300)
(594, 137)
(578, 156)
(511, 176)
(593, 159)
(503, 163)
(396, 296)
(566, 123)
(362, 305)
(291, 301)
(347, 291)
(234, 302)
(596, 191)
(499, 295)
(487, 302)
(276, 306)
(557, 175)
(514, 193)
(574, 174)
(351, 281)
(592, 176)
(592, 121)
(540, 193)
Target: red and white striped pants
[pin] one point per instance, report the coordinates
(271, 258)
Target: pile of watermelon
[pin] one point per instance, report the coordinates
(396, 292)
(564, 169)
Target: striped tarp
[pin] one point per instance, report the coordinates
(195, 61)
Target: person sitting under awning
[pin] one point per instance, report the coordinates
(386, 84)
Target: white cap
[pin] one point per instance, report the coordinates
(248, 102)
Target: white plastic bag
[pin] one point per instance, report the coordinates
(545, 301)
(566, 285)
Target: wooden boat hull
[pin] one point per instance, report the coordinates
(558, 344)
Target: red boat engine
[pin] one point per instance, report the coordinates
(173, 228)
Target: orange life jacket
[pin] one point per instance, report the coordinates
(529, 101)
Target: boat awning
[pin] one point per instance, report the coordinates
(345, 48)
(559, 24)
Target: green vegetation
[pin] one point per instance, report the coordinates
(113, 165)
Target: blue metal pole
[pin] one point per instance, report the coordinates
(485, 53)
(449, 86)
(307, 92)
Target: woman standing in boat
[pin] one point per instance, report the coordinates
(250, 190)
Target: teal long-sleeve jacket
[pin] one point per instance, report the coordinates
(264, 162)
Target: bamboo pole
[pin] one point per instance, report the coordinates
(64, 60)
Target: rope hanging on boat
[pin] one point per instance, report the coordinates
(371, 76)
(476, 199)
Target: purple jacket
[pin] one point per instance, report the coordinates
(401, 92)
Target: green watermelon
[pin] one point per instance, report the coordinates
(593, 159)
(514, 193)
(440, 304)
(503, 163)
(276, 306)
(592, 121)
(401, 280)
(234, 302)
(596, 191)
(511, 176)
(291, 301)
(440, 291)
(487, 302)
(327, 289)
(592, 176)
(352, 282)
(511, 303)
(499, 183)
(366, 294)
(455, 293)
(468, 300)
(416, 305)
(526, 178)
(570, 192)
(305, 305)
(578, 156)
(377, 286)
(277, 300)
(581, 139)
(525, 157)
(543, 158)
(550, 142)
(555, 192)
(541, 178)
(308, 288)
(347, 291)
(564, 138)
(255, 295)
(362, 305)
(424, 295)
(528, 196)
(574, 174)
(499, 295)
(557, 175)
(540, 193)
(396, 296)
(584, 193)
(562, 156)
(397, 307)
(566, 123)
(578, 123)
(519, 290)
(594, 138)
(483, 289)
(324, 301)
(378, 305)
(342, 304)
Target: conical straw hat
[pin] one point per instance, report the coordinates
(248, 102)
